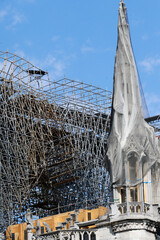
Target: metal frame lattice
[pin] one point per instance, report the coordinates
(53, 141)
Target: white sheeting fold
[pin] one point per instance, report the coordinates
(129, 130)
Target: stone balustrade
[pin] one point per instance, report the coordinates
(133, 207)
(89, 234)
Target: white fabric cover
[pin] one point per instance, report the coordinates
(129, 131)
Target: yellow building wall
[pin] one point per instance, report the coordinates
(53, 221)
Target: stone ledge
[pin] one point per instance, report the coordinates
(135, 224)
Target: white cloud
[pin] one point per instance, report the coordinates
(17, 18)
(20, 53)
(137, 21)
(86, 49)
(145, 37)
(55, 66)
(149, 64)
(3, 13)
(59, 68)
(11, 17)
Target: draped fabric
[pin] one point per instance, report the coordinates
(129, 131)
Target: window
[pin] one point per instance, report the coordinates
(13, 236)
(74, 218)
(80, 237)
(93, 236)
(25, 235)
(42, 230)
(123, 195)
(133, 194)
(85, 236)
(89, 216)
(133, 176)
(133, 170)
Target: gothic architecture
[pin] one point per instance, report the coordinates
(134, 159)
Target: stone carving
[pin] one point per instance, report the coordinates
(47, 227)
(38, 228)
(69, 235)
(35, 237)
(114, 211)
(134, 225)
(29, 219)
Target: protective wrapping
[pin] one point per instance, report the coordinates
(130, 135)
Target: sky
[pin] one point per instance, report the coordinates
(77, 39)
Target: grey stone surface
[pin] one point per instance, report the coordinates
(136, 235)
(47, 227)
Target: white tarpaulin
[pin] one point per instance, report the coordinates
(129, 131)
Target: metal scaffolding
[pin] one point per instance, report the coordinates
(154, 121)
(53, 142)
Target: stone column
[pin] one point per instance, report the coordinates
(29, 232)
(29, 220)
(148, 187)
(115, 194)
(77, 236)
(127, 199)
